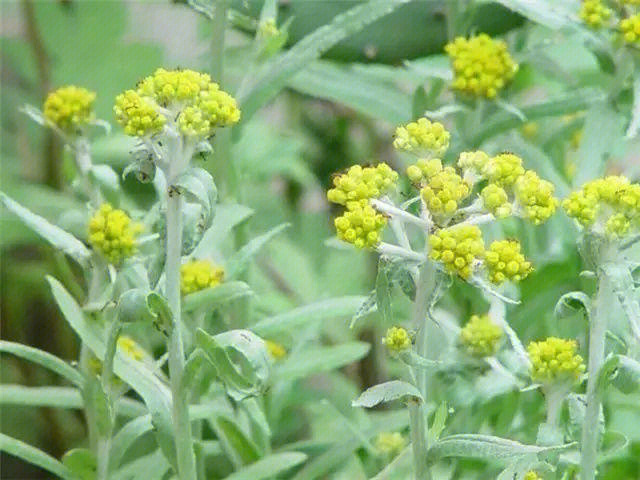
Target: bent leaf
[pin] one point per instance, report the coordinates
(32, 455)
(386, 392)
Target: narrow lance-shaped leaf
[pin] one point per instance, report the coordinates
(240, 261)
(269, 466)
(320, 359)
(387, 392)
(211, 298)
(34, 456)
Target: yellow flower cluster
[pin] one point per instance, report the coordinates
(276, 350)
(504, 169)
(594, 13)
(422, 138)
(397, 340)
(360, 183)
(360, 225)
(630, 29)
(190, 98)
(496, 200)
(535, 197)
(197, 275)
(390, 443)
(458, 248)
(112, 233)
(504, 261)
(130, 348)
(608, 205)
(532, 475)
(555, 360)
(424, 169)
(136, 115)
(473, 164)
(444, 192)
(480, 336)
(69, 108)
(482, 65)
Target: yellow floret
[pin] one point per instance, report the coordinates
(136, 115)
(422, 138)
(473, 164)
(220, 107)
(630, 29)
(69, 108)
(424, 169)
(458, 248)
(531, 475)
(594, 13)
(360, 183)
(482, 65)
(535, 197)
(113, 234)
(444, 191)
(169, 86)
(276, 350)
(130, 348)
(397, 340)
(496, 200)
(504, 261)
(480, 336)
(555, 360)
(504, 169)
(360, 225)
(197, 275)
(390, 443)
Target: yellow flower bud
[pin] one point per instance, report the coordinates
(360, 183)
(390, 443)
(480, 336)
(496, 201)
(482, 66)
(594, 13)
(69, 108)
(444, 191)
(630, 29)
(531, 475)
(505, 262)
(422, 138)
(555, 360)
(458, 247)
(277, 351)
(504, 169)
(360, 225)
(197, 275)
(535, 197)
(136, 115)
(473, 164)
(130, 348)
(113, 234)
(397, 340)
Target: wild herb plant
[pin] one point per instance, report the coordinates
(190, 368)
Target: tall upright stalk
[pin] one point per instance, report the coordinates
(181, 423)
(590, 431)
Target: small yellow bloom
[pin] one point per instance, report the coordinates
(444, 192)
(630, 29)
(505, 262)
(360, 225)
(362, 183)
(136, 115)
(130, 348)
(197, 275)
(397, 340)
(268, 28)
(535, 197)
(112, 233)
(458, 248)
(482, 65)
(496, 200)
(422, 138)
(504, 169)
(480, 336)
(594, 13)
(69, 108)
(276, 350)
(531, 475)
(390, 443)
(555, 360)
(530, 130)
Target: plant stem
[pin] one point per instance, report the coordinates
(181, 423)
(426, 284)
(590, 432)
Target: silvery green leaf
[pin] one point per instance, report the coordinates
(269, 466)
(159, 307)
(241, 259)
(106, 180)
(133, 306)
(439, 422)
(32, 455)
(621, 371)
(57, 237)
(368, 306)
(572, 302)
(96, 398)
(228, 216)
(383, 291)
(489, 289)
(387, 392)
(35, 114)
(552, 14)
(413, 359)
(576, 406)
(102, 124)
(211, 298)
(237, 445)
(82, 462)
(512, 109)
(144, 169)
(612, 443)
(634, 124)
(253, 350)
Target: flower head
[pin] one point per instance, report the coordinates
(594, 13)
(197, 275)
(482, 65)
(505, 262)
(362, 183)
(397, 340)
(458, 247)
(473, 164)
(535, 197)
(360, 225)
(444, 191)
(276, 350)
(555, 360)
(496, 200)
(130, 348)
(390, 443)
(113, 234)
(532, 475)
(504, 169)
(137, 115)
(480, 336)
(69, 108)
(422, 137)
(630, 29)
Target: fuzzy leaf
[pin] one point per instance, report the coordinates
(239, 448)
(241, 259)
(269, 466)
(211, 298)
(386, 392)
(383, 291)
(572, 302)
(82, 462)
(34, 456)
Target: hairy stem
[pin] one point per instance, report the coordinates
(418, 440)
(181, 423)
(603, 301)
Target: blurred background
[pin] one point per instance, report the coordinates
(339, 111)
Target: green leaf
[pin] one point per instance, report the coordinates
(612, 443)
(149, 466)
(320, 359)
(159, 307)
(572, 302)
(269, 466)
(107, 181)
(301, 317)
(273, 75)
(550, 13)
(487, 447)
(366, 307)
(439, 422)
(57, 237)
(138, 375)
(386, 392)
(355, 88)
(383, 291)
(133, 307)
(211, 298)
(228, 215)
(199, 187)
(44, 359)
(414, 360)
(621, 371)
(239, 448)
(81, 462)
(241, 259)
(34, 456)
(98, 402)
